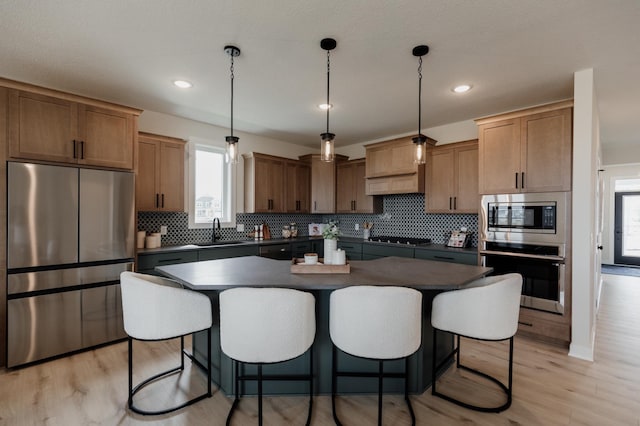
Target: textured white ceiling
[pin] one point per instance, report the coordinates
(516, 53)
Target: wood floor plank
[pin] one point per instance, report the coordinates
(550, 388)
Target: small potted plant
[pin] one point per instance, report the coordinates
(330, 234)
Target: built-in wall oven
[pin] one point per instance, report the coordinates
(528, 234)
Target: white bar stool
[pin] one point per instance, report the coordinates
(154, 309)
(378, 323)
(266, 326)
(489, 311)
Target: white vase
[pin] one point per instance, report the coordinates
(330, 246)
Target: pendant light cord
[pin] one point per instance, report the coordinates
(419, 95)
(232, 76)
(328, 72)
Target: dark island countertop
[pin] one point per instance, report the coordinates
(257, 271)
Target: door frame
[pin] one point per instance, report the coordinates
(618, 258)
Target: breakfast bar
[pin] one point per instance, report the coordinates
(430, 277)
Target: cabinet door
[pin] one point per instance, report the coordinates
(147, 180)
(269, 185)
(323, 186)
(297, 187)
(546, 154)
(345, 190)
(107, 137)
(364, 203)
(42, 127)
(171, 177)
(466, 191)
(440, 181)
(402, 158)
(499, 157)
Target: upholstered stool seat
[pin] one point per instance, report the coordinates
(380, 323)
(154, 309)
(266, 326)
(487, 310)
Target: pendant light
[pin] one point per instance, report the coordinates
(326, 147)
(232, 141)
(419, 141)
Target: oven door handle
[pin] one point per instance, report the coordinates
(558, 259)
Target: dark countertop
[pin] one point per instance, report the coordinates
(169, 249)
(257, 271)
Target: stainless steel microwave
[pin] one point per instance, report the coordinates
(505, 216)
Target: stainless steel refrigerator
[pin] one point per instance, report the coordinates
(70, 233)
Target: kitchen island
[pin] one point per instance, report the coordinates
(430, 277)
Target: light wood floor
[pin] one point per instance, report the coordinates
(550, 388)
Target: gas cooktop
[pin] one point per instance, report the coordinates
(401, 240)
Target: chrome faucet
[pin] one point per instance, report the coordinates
(215, 233)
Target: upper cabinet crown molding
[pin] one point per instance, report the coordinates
(524, 112)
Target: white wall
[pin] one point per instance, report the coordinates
(585, 276)
(621, 153)
(610, 175)
(448, 133)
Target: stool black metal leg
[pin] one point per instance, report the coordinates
(310, 386)
(237, 396)
(260, 394)
(380, 373)
(406, 391)
(334, 383)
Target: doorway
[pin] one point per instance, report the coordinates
(627, 228)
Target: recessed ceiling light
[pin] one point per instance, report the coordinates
(325, 107)
(462, 88)
(183, 84)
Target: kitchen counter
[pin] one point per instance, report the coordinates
(169, 249)
(254, 271)
(430, 277)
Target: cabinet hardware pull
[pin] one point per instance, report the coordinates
(522, 180)
(74, 148)
(177, 259)
(528, 324)
(443, 257)
(163, 201)
(315, 206)
(82, 150)
(449, 203)
(516, 180)
(455, 203)
(157, 200)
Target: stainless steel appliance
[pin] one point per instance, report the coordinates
(528, 234)
(70, 233)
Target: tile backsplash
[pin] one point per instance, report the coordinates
(403, 216)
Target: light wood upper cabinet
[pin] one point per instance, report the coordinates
(160, 178)
(390, 168)
(452, 178)
(526, 151)
(351, 194)
(107, 137)
(297, 186)
(63, 130)
(323, 182)
(264, 183)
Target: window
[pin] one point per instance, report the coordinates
(210, 185)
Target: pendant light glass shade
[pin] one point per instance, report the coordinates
(327, 152)
(232, 141)
(419, 141)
